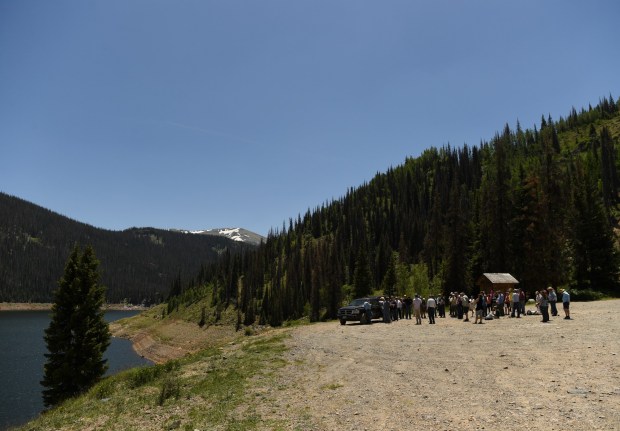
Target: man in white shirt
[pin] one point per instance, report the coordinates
(417, 306)
(516, 306)
(430, 308)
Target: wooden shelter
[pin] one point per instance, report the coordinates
(496, 282)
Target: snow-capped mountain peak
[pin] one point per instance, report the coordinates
(235, 234)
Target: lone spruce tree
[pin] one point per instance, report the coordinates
(77, 335)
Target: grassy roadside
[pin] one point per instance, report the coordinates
(207, 390)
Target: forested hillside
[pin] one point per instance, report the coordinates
(139, 264)
(541, 204)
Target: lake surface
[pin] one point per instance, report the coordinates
(21, 362)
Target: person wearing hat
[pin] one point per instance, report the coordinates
(459, 306)
(516, 306)
(417, 306)
(553, 299)
(441, 306)
(386, 310)
(431, 304)
(465, 304)
(408, 304)
(453, 299)
(566, 304)
(544, 306)
(499, 309)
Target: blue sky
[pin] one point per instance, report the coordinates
(205, 114)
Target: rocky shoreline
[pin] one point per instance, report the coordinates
(42, 306)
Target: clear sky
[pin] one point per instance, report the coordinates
(200, 114)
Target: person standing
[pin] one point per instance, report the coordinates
(393, 310)
(566, 304)
(544, 306)
(459, 306)
(553, 299)
(480, 303)
(408, 304)
(431, 304)
(453, 299)
(516, 306)
(385, 308)
(368, 311)
(507, 303)
(500, 305)
(441, 306)
(522, 299)
(417, 306)
(465, 302)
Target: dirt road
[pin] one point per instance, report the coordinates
(507, 374)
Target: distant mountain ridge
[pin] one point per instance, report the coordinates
(236, 234)
(138, 264)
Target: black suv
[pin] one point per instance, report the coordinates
(355, 310)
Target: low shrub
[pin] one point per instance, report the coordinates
(145, 375)
(584, 295)
(104, 389)
(170, 388)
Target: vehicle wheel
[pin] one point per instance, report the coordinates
(343, 322)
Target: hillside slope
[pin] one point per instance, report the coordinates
(541, 204)
(137, 264)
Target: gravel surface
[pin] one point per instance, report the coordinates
(507, 374)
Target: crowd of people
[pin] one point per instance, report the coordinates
(484, 306)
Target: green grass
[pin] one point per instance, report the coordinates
(209, 390)
(332, 386)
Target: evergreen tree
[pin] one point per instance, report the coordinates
(609, 173)
(389, 280)
(77, 335)
(596, 260)
(362, 278)
(457, 242)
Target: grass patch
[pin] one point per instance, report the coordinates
(209, 390)
(137, 377)
(170, 388)
(332, 386)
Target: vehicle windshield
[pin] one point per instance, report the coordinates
(358, 302)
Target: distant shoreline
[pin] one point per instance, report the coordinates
(37, 306)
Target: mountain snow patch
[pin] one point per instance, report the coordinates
(233, 234)
(236, 234)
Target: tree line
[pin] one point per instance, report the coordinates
(138, 264)
(541, 204)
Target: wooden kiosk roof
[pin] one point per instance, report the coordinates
(496, 281)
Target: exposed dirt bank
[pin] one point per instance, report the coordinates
(24, 306)
(161, 341)
(36, 306)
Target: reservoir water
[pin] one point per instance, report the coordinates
(21, 362)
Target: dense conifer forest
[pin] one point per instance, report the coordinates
(139, 264)
(541, 204)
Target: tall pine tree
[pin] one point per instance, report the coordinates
(77, 335)
(596, 259)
